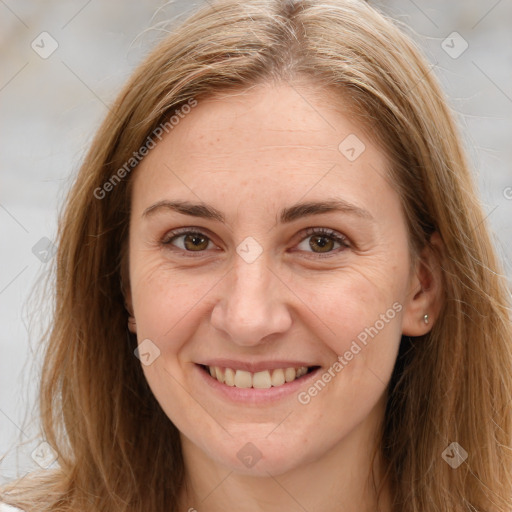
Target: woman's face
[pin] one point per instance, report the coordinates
(229, 269)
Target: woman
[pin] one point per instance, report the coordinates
(275, 286)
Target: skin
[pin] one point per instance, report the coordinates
(250, 155)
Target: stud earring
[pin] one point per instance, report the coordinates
(425, 319)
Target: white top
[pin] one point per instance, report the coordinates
(8, 508)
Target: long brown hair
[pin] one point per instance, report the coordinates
(117, 449)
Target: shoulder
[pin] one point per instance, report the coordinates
(8, 508)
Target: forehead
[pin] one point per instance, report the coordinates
(274, 142)
(267, 118)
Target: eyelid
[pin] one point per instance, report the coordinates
(169, 235)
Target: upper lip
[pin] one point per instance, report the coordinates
(254, 367)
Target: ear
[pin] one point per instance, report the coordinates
(425, 290)
(132, 325)
(127, 294)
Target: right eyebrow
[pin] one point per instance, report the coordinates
(186, 208)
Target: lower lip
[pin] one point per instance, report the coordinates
(256, 395)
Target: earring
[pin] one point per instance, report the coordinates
(425, 319)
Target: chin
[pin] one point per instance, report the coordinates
(260, 457)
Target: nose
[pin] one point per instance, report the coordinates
(252, 305)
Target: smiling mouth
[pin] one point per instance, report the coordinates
(259, 380)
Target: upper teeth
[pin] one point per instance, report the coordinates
(262, 380)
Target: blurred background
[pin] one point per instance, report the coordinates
(62, 64)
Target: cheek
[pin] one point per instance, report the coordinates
(363, 335)
(358, 316)
(165, 298)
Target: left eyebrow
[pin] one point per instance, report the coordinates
(288, 214)
(300, 210)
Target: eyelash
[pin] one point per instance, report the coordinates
(324, 232)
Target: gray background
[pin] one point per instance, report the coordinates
(51, 107)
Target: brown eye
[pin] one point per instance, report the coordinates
(195, 241)
(190, 241)
(322, 242)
